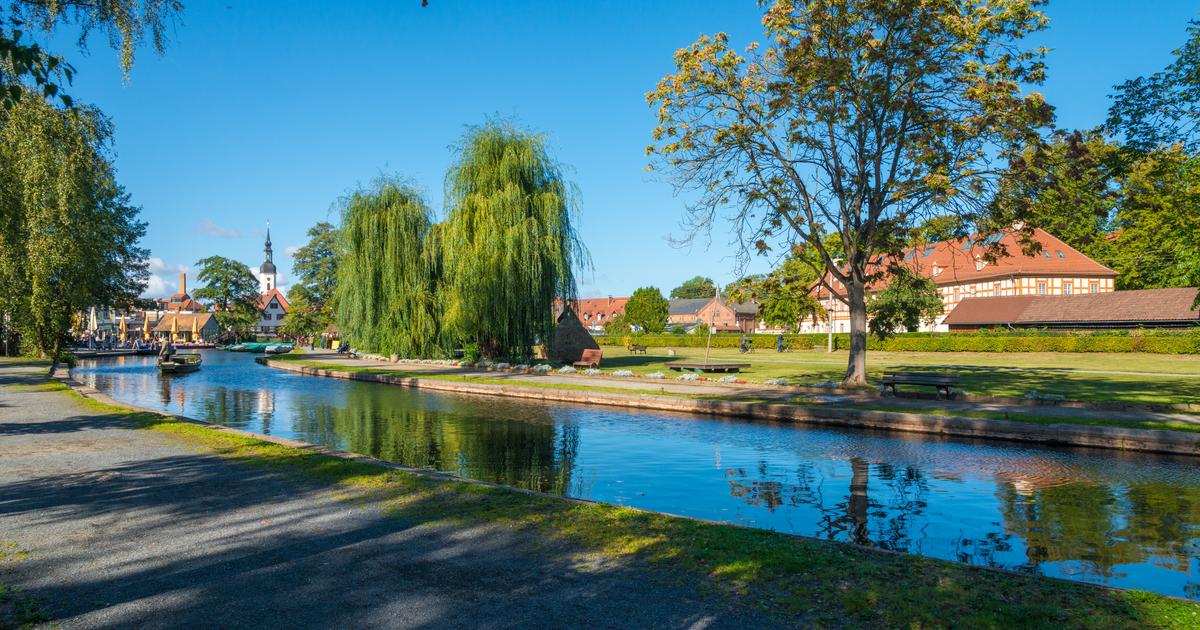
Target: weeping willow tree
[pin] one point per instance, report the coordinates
(387, 279)
(508, 242)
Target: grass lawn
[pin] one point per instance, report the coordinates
(1133, 378)
(815, 583)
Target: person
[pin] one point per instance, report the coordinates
(168, 349)
(742, 346)
(779, 343)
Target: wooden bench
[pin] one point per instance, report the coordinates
(591, 358)
(941, 381)
(637, 349)
(698, 368)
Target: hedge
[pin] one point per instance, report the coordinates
(1150, 341)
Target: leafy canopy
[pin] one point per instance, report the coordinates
(647, 309)
(1164, 108)
(698, 287)
(860, 118)
(509, 244)
(908, 301)
(316, 263)
(230, 286)
(784, 296)
(68, 232)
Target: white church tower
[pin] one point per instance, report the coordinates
(266, 272)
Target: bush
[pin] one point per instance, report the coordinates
(1154, 341)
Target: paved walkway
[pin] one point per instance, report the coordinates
(131, 528)
(751, 392)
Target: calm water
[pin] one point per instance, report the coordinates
(1094, 516)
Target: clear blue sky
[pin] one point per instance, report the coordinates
(271, 110)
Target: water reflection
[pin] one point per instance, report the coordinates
(1126, 520)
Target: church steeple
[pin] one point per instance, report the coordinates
(266, 272)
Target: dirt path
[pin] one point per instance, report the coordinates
(130, 528)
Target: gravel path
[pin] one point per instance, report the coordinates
(131, 528)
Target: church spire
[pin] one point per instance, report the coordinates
(268, 246)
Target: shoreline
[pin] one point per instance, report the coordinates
(1053, 434)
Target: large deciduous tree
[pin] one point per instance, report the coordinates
(311, 298)
(68, 233)
(785, 295)
(232, 289)
(859, 118)
(509, 244)
(1164, 108)
(386, 295)
(908, 300)
(648, 310)
(697, 287)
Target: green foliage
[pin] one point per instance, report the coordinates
(698, 287)
(616, 326)
(908, 300)
(785, 295)
(647, 309)
(68, 233)
(860, 119)
(316, 263)
(231, 287)
(126, 23)
(388, 276)
(508, 242)
(1160, 110)
(306, 317)
(1148, 341)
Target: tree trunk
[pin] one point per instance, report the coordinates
(856, 369)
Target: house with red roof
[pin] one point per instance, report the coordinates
(961, 270)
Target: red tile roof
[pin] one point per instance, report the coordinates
(608, 306)
(265, 299)
(1130, 307)
(961, 261)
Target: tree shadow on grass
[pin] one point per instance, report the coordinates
(1072, 385)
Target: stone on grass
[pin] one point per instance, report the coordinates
(728, 378)
(689, 377)
(502, 366)
(656, 375)
(777, 381)
(542, 368)
(622, 373)
(567, 369)
(592, 372)
(521, 368)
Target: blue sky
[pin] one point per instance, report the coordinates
(269, 111)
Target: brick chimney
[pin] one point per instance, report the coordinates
(182, 282)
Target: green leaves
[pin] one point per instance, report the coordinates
(647, 309)
(697, 287)
(908, 301)
(1161, 109)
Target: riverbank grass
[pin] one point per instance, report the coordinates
(815, 583)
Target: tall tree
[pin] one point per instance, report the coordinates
(647, 309)
(316, 263)
(231, 287)
(68, 233)
(509, 243)
(386, 293)
(861, 118)
(1164, 108)
(698, 287)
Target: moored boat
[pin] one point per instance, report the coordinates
(279, 348)
(179, 363)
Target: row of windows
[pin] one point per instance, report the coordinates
(599, 316)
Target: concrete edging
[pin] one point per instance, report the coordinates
(1065, 434)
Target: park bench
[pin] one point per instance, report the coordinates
(637, 349)
(942, 381)
(591, 358)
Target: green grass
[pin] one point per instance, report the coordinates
(23, 361)
(1121, 378)
(814, 582)
(17, 610)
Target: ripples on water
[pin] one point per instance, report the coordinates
(1121, 519)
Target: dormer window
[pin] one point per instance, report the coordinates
(1045, 253)
(1060, 254)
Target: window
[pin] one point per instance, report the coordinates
(1045, 253)
(996, 291)
(1094, 288)
(1068, 288)
(1041, 288)
(955, 294)
(1059, 252)
(279, 316)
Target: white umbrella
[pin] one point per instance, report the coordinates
(92, 325)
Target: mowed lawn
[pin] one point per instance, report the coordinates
(1122, 377)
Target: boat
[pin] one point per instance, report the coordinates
(179, 363)
(279, 348)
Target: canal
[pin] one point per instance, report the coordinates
(1129, 520)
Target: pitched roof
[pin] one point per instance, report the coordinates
(265, 299)
(185, 321)
(960, 261)
(690, 306)
(1146, 305)
(600, 305)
